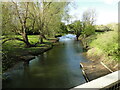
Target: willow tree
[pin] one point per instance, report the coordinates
(88, 19)
(17, 20)
(48, 17)
(44, 17)
(6, 19)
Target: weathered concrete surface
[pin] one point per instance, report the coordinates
(102, 82)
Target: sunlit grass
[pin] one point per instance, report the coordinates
(108, 44)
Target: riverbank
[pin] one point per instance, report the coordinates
(97, 67)
(19, 53)
(94, 70)
(102, 50)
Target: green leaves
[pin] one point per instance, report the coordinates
(76, 27)
(88, 30)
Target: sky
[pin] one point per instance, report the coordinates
(106, 10)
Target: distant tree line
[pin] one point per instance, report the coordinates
(86, 26)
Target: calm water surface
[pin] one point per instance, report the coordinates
(56, 68)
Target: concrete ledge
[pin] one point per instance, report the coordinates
(102, 82)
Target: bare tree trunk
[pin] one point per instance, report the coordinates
(25, 38)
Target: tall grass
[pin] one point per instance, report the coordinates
(108, 44)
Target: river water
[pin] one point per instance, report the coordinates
(56, 68)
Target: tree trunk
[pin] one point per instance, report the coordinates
(25, 38)
(41, 39)
(77, 35)
(77, 38)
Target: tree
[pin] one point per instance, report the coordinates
(48, 17)
(76, 27)
(22, 15)
(89, 18)
(63, 28)
(17, 20)
(6, 19)
(28, 17)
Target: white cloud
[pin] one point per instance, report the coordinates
(107, 17)
(111, 1)
(103, 16)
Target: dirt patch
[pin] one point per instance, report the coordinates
(94, 70)
(95, 56)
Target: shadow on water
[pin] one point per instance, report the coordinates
(56, 68)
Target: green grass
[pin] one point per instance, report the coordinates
(32, 38)
(104, 47)
(107, 43)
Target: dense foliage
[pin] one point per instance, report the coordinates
(86, 26)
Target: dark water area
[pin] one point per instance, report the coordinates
(56, 68)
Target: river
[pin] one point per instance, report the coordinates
(56, 68)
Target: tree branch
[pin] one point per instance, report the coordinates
(13, 39)
(18, 12)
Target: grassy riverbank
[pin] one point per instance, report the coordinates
(103, 51)
(14, 51)
(103, 47)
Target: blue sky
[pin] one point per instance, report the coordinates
(106, 10)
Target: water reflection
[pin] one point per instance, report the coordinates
(67, 37)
